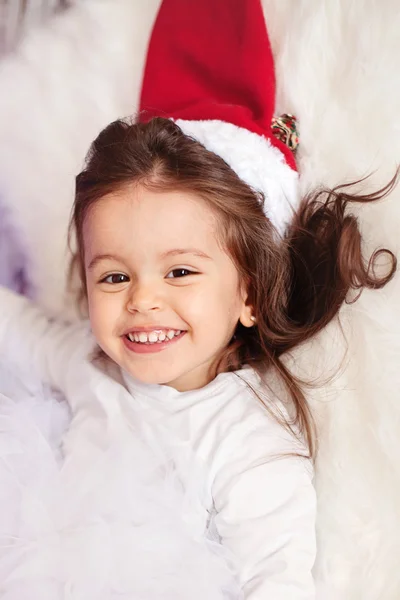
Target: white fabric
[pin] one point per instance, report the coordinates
(110, 522)
(256, 161)
(234, 456)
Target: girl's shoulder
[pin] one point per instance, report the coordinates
(254, 428)
(251, 402)
(252, 415)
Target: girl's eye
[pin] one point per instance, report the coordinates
(115, 278)
(178, 273)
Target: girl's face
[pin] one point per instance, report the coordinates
(164, 297)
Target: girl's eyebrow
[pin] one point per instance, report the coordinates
(178, 251)
(99, 257)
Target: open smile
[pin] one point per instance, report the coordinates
(143, 342)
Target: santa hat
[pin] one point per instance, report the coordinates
(210, 68)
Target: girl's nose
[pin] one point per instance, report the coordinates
(143, 298)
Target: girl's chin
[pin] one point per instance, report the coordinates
(181, 382)
(152, 375)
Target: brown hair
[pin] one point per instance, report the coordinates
(296, 285)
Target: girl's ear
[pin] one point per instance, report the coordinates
(247, 318)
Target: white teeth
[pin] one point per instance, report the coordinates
(153, 336)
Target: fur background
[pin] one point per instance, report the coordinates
(337, 70)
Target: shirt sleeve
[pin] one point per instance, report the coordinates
(265, 515)
(31, 341)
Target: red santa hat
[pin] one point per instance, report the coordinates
(210, 68)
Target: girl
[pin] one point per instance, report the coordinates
(194, 290)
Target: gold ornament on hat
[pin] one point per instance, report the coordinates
(285, 129)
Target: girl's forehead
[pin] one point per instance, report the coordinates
(137, 219)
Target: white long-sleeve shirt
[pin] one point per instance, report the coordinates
(260, 492)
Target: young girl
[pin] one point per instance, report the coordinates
(194, 290)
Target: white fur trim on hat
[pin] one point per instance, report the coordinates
(256, 161)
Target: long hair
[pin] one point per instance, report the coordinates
(296, 285)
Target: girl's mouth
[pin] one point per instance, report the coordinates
(153, 337)
(143, 342)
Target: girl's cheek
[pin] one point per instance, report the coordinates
(195, 304)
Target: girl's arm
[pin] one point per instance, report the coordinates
(29, 340)
(266, 511)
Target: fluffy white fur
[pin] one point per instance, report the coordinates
(256, 161)
(337, 70)
(67, 80)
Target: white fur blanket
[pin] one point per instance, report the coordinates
(337, 70)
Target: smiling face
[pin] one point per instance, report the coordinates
(164, 297)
